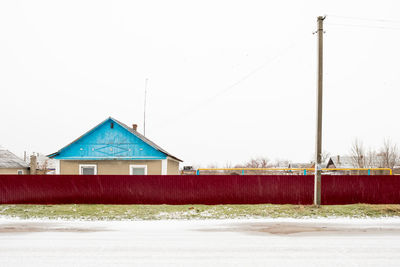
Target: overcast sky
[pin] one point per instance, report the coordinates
(228, 80)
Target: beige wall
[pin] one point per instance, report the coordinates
(110, 166)
(172, 167)
(13, 171)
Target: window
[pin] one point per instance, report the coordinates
(138, 170)
(20, 172)
(88, 169)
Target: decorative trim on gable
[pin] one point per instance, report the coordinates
(109, 151)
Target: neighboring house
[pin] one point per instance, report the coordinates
(114, 148)
(11, 164)
(347, 162)
(343, 162)
(340, 162)
(350, 162)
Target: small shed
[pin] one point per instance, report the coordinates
(11, 164)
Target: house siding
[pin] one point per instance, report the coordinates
(110, 166)
(13, 171)
(172, 167)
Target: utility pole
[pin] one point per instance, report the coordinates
(144, 108)
(318, 141)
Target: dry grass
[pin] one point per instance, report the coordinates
(157, 212)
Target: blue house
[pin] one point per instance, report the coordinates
(112, 147)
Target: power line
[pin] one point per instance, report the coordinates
(244, 78)
(366, 19)
(364, 26)
(207, 101)
(144, 106)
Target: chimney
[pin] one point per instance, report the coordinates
(134, 127)
(33, 164)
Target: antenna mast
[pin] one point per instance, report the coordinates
(144, 109)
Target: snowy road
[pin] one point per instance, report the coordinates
(274, 242)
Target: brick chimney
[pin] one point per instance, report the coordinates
(134, 127)
(33, 164)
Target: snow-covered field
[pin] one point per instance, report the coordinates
(266, 242)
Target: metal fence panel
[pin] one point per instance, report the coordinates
(191, 189)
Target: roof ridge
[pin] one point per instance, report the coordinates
(145, 139)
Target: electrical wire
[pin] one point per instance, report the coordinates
(366, 19)
(208, 100)
(363, 26)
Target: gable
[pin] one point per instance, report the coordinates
(108, 141)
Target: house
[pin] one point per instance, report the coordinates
(112, 147)
(11, 164)
(340, 162)
(349, 162)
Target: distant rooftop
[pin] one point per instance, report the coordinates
(9, 160)
(341, 162)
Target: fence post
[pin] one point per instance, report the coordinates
(305, 171)
(369, 172)
(197, 172)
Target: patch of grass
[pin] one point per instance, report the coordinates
(185, 212)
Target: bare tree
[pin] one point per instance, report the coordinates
(325, 155)
(389, 154)
(280, 163)
(371, 160)
(213, 165)
(357, 153)
(228, 165)
(44, 166)
(260, 162)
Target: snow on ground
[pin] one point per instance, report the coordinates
(263, 242)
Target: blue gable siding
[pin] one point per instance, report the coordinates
(106, 143)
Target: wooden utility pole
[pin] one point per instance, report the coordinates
(318, 141)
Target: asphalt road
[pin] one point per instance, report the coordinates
(280, 242)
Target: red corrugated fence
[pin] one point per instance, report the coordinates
(192, 189)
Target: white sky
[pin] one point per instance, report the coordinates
(65, 66)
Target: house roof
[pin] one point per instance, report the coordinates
(9, 160)
(341, 162)
(131, 130)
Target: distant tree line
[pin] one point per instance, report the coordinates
(386, 156)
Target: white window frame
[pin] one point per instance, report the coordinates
(22, 172)
(87, 165)
(132, 166)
